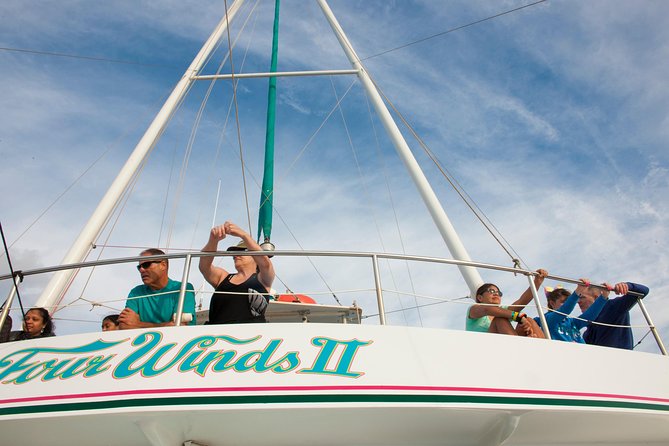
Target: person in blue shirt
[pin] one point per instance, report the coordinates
(562, 303)
(615, 312)
(155, 302)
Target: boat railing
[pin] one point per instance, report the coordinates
(374, 257)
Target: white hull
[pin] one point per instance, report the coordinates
(402, 386)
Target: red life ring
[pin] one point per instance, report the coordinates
(295, 298)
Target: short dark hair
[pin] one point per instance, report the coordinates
(155, 252)
(558, 293)
(554, 295)
(113, 318)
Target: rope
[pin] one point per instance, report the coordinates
(453, 29)
(392, 206)
(89, 58)
(444, 172)
(212, 170)
(457, 187)
(239, 133)
(11, 270)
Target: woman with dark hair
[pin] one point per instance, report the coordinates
(37, 323)
(488, 315)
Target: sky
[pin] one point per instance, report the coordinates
(552, 118)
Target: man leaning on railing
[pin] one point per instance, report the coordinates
(615, 312)
(155, 302)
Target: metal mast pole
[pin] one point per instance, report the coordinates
(455, 246)
(54, 291)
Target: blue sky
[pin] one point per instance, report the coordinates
(554, 119)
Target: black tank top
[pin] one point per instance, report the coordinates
(235, 308)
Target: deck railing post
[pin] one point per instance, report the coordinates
(652, 327)
(379, 294)
(8, 302)
(182, 290)
(540, 310)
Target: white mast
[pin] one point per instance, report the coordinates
(54, 291)
(455, 246)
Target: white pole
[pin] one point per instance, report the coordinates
(455, 246)
(54, 291)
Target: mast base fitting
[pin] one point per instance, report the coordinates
(268, 246)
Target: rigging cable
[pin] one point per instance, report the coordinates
(222, 137)
(394, 209)
(456, 186)
(193, 135)
(81, 175)
(89, 58)
(239, 132)
(476, 210)
(476, 22)
(366, 190)
(11, 270)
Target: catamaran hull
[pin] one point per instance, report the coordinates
(327, 384)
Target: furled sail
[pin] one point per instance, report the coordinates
(267, 192)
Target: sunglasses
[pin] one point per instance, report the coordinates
(494, 291)
(146, 265)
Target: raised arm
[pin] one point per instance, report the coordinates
(213, 274)
(480, 310)
(265, 268)
(526, 297)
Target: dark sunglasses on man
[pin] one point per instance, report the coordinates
(146, 265)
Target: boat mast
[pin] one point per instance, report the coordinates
(53, 293)
(453, 242)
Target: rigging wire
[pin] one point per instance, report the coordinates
(11, 270)
(457, 28)
(364, 186)
(167, 192)
(516, 261)
(394, 209)
(82, 174)
(118, 210)
(89, 58)
(457, 187)
(239, 131)
(224, 128)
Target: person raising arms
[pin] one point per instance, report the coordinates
(239, 297)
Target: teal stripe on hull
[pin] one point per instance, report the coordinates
(357, 398)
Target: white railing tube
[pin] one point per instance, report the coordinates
(653, 330)
(8, 303)
(379, 293)
(182, 290)
(540, 310)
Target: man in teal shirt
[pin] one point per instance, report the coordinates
(155, 303)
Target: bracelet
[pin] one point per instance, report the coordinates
(517, 316)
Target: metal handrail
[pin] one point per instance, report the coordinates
(373, 256)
